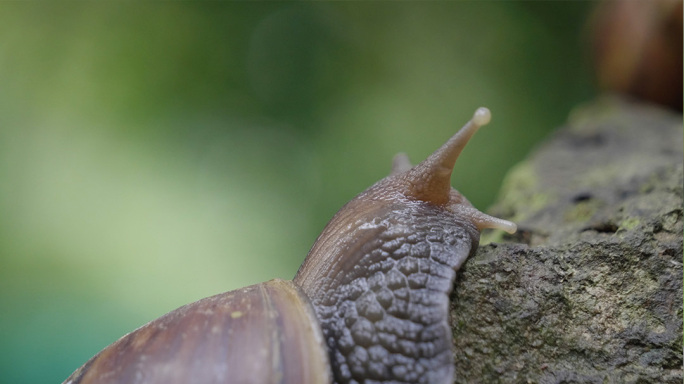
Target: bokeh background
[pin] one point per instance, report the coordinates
(153, 154)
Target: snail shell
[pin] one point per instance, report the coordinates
(264, 333)
(369, 303)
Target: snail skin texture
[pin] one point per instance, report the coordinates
(368, 305)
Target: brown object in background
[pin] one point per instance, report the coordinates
(637, 47)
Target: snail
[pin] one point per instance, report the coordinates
(369, 304)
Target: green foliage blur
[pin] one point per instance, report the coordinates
(155, 153)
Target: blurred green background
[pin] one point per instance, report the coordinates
(154, 154)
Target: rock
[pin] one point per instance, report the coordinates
(590, 288)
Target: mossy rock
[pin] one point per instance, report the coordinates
(590, 288)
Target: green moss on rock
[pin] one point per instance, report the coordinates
(590, 288)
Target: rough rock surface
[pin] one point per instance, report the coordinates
(590, 288)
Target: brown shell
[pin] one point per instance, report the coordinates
(264, 333)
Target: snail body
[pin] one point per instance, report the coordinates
(369, 303)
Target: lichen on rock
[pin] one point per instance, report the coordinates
(590, 288)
